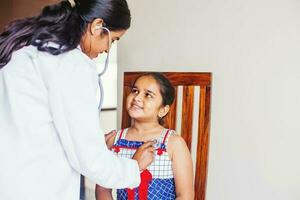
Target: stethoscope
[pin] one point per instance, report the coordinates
(105, 67)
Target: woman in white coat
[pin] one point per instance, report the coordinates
(49, 122)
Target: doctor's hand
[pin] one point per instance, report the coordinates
(144, 155)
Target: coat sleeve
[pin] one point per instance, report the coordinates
(72, 96)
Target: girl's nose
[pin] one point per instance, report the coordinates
(138, 97)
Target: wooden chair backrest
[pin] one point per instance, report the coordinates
(188, 81)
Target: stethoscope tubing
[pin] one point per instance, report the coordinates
(104, 69)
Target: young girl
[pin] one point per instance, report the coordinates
(170, 176)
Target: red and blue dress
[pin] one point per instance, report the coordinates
(157, 181)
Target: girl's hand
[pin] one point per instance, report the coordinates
(144, 155)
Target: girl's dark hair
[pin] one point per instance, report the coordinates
(167, 90)
(63, 25)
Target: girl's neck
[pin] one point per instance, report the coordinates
(144, 130)
(144, 127)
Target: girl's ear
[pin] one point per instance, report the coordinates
(163, 111)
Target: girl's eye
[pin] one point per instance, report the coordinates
(134, 91)
(148, 95)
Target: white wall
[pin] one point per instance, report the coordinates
(253, 50)
(16, 9)
(5, 8)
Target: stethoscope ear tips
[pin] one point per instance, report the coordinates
(98, 27)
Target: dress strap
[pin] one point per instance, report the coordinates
(166, 136)
(120, 135)
(162, 136)
(163, 141)
(123, 133)
(117, 136)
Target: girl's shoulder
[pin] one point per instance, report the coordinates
(175, 143)
(175, 139)
(110, 138)
(113, 136)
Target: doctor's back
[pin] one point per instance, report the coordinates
(31, 153)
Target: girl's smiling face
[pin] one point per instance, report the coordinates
(144, 103)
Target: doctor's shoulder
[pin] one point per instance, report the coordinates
(75, 56)
(76, 60)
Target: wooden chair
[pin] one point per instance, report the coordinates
(188, 81)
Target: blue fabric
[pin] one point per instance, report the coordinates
(134, 144)
(159, 189)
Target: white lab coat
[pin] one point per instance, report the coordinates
(49, 129)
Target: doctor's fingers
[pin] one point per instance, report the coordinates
(150, 149)
(147, 144)
(144, 156)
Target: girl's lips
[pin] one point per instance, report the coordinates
(135, 106)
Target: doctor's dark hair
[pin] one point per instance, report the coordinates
(166, 88)
(63, 25)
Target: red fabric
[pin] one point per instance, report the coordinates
(146, 177)
(130, 194)
(159, 151)
(116, 149)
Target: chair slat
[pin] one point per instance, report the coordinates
(202, 145)
(187, 114)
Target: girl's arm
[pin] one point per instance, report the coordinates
(102, 193)
(182, 168)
